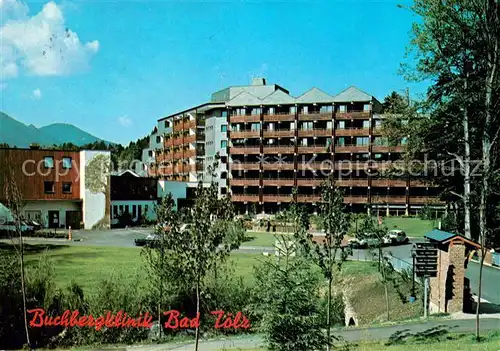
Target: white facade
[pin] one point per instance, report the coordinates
(94, 204)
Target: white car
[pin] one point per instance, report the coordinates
(367, 240)
(395, 237)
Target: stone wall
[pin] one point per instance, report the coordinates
(447, 288)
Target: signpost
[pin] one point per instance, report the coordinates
(425, 265)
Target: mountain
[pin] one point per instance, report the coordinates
(18, 134)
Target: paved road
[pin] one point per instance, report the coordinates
(350, 335)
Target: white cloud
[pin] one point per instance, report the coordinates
(37, 94)
(41, 44)
(125, 121)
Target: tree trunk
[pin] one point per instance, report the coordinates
(197, 313)
(387, 300)
(467, 173)
(481, 264)
(328, 311)
(23, 287)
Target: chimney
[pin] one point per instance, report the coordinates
(35, 146)
(258, 81)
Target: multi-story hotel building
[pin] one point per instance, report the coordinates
(277, 142)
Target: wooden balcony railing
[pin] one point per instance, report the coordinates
(346, 165)
(315, 116)
(285, 149)
(363, 182)
(353, 115)
(386, 148)
(244, 150)
(422, 200)
(245, 197)
(184, 125)
(317, 132)
(356, 199)
(388, 183)
(309, 182)
(283, 166)
(377, 131)
(277, 198)
(278, 182)
(308, 198)
(278, 133)
(244, 166)
(245, 134)
(168, 142)
(351, 148)
(388, 199)
(325, 165)
(244, 119)
(314, 149)
(352, 132)
(244, 181)
(280, 116)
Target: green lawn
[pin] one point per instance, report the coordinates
(260, 239)
(87, 265)
(413, 227)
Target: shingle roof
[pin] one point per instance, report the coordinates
(278, 97)
(352, 94)
(244, 99)
(314, 95)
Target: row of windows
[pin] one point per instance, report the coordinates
(49, 187)
(120, 209)
(223, 128)
(48, 162)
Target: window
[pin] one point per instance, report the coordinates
(223, 191)
(341, 125)
(361, 141)
(48, 162)
(342, 108)
(121, 209)
(293, 109)
(126, 209)
(115, 211)
(223, 144)
(366, 107)
(48, 187)
(66, 188)
(158, 139)
(66, 162)
(223, 128)
(341, 141)
(224, 113)
(366, 124)
(146, 207)
(223, 159)
(255, 127)
(378, 123)
(378, 156)
(134, 211)
(223, 175)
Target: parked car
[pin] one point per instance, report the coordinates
(153, 238)
(12, 227)
(365, 241)
(396, 237)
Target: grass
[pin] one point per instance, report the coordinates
(261, 239)
(88, 265)
(413, 227)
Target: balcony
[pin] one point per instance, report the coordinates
(285, 149)
(388, 183)
(347, 165)
(244, 166)
(353, 115)
(317, 132)
(319, 166)
(184, 125)
(278, 182)
(280, 117)
(389, 199)
(310, 182)
(362, 182)
(386, 148)
(245, 134)
(315, 116)
(190, 139)
(168, 142)
(355, 199)
(422, 200)
(245, 150)
(351, 148)
(245, 198)
(415, 183)
(244, 119)
(278, 166)
(277, 198)
(316, 149)
(244, 182)
(308, 198)
(352, 132)
(279, 133)
(377, 131)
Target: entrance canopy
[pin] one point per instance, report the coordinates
(446, 239)
(5, 215)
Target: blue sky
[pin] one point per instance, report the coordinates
(123, 65)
